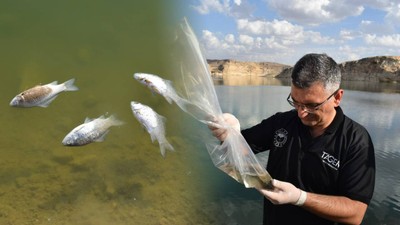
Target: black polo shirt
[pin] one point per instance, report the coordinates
(339, 162)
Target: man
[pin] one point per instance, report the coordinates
(322, 162)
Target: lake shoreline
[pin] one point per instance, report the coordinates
(371, 86)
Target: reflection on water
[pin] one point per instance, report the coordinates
(249, 80)
(378, 112)
(350, 85)
(372, 86)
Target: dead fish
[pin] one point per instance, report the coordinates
(159, 85)
(42, 95)
(92, 130)
(153, 123)
(164, 88)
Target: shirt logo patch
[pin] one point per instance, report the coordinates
(280, 137)
(331, 161)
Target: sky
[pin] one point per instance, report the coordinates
(283, 31)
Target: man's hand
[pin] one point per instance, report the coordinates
(220, 128)
(284, 193)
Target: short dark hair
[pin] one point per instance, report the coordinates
(312, 68)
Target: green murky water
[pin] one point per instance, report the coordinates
(123, 180)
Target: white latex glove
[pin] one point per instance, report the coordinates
(219, 129)
(284, 193)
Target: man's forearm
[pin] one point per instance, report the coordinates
(336, 208)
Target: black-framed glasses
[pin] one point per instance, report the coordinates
(312, 107)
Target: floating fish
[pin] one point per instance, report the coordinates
(164, 88)
(42, 95)
(91, 131)
(160, 86)
(153, 123)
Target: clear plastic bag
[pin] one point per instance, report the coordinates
(234, 155)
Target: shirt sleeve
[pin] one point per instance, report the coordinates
(357, 177)
(259, 136)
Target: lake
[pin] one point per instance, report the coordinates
(377, 111)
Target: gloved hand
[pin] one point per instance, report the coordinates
(284, 193)
(220, 128)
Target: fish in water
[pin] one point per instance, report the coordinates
(153, 123)
(92, 130)
(42, 95)
(160, 86)
(164, 88)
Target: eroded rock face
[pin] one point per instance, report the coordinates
(379, 68)
(227, 67)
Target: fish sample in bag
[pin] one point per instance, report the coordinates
(91, 131)
(42, 95)
(153, 123)
(233, 156)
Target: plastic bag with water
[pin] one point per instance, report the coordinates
(234, 155)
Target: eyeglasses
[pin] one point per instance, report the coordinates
(309, 108)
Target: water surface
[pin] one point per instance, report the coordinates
(123, 180)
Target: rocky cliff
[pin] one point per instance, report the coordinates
(227, 67)
(379, 68)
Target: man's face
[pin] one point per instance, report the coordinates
(315, 106)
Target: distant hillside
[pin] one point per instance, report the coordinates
(229, 67)
(379, 68)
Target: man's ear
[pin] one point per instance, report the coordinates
(338, 97)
